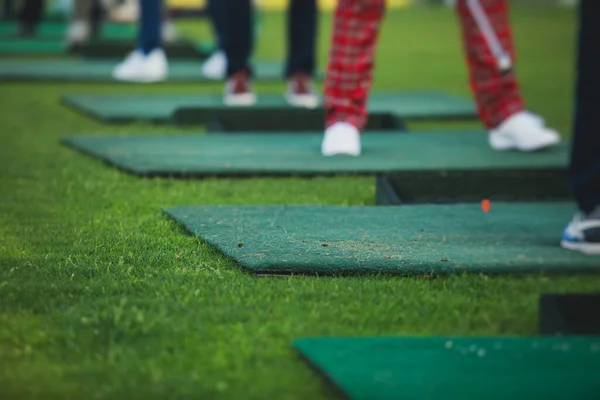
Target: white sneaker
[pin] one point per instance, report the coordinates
(523, 131)
(341, 138)
(583, 235)
(79, 32)
(138, 67)
(216, 66)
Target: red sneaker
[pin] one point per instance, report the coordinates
(238, 91)
(300, 92)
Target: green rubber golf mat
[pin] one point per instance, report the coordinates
(198, 109)
(97, 49)
(31, 46)
(457, 368)
(181, 49)
(285, 154)
(515, 238)
(80, 70)
(58, 30)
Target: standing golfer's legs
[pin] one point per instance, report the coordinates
(216, 65)
(238, 46)
(80, 29)
(489, 49)
(301, 52)
(147, 63)
(583, 233)
(350, 73)
(30, 16)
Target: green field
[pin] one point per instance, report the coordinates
(102, 297)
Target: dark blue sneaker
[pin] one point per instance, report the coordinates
(582, 234)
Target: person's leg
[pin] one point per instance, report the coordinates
(96, 16)
(30, 16)
(301, 43)
(237, 45)
(80, 28)
(490, 54)
(349, 73)
(583, 233)
(168, 30)
(216, 65)
(149, 35)
(147, 63)
(218, 18)
(83, 9)
(7, 10)
(301, 37)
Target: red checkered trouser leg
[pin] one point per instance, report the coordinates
(496, 92)
(351, 57)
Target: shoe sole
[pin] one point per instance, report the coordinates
(245, 100)
(302, 101)
(140, 79)
(585, 248)
(501, 144)
(339, 153)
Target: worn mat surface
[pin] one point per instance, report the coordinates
(514, 238)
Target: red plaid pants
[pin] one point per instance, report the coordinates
(350, 68)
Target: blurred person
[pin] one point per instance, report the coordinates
(148, 61)
(29, 16)
(583, 232)
(489, 50)
(215, 67)
(86, 21)
(238, 45)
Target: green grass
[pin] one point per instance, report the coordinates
(103, 297)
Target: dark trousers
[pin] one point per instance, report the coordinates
(149, 31)
(7, 10)
(239, 38)
(585, 151)
(218, 18)
(31, 13)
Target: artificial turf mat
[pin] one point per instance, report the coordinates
(285, 154)
(182, 49)
(78, 70)
(102, 298)
(58, 30)
(514, 238)
(199, 108)
(378, 368)
(31, 46)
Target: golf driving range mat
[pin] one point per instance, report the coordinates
(514, 238)
(31, 46)
(288, 154)
(58, 30)
(199, 109)
(181, 49)
(453, 368)
(79, 70)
